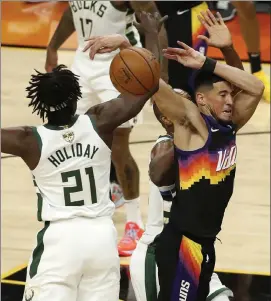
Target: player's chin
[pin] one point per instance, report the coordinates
(226, 116)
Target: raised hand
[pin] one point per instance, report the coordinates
(105, 44)
(219, 33)
(149, 22)
(187, 56)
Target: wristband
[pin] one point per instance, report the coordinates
(209, 65)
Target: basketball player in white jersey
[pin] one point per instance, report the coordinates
(70, 158)
(98, 18)
(143, 267)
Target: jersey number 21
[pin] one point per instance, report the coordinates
(78, 187)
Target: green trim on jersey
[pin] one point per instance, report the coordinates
(40, 202)
(37, 135)
(38, 251)
(150, 273)
(130, 35)
(93, 123)
(216, 293)
(61, 127)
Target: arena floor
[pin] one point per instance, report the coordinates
(245, 236)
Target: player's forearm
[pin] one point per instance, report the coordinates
(240, 78)
(161, 169)
(64, 30)
(231, 57)
(160, 41)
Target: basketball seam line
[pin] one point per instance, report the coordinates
(119, 83)
(145, 61)
(133, 73)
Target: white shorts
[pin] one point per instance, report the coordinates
(218, 292)
(96, 87)
(75, 260)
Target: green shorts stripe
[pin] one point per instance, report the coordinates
(38, 251)
(150, 274)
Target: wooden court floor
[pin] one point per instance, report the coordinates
(245, 234)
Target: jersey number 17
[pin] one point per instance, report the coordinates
(86, 27)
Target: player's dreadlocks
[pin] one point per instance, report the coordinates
(53, 92)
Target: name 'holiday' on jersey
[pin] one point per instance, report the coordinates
(205, 181)
(72, 176)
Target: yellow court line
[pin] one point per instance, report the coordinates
(14, 270)
(14, 282)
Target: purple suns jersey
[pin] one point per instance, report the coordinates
(205, 180)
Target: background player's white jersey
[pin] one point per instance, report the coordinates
(155, 221)
(72, 176)
(98, 18)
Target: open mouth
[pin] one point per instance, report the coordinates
(228, 111)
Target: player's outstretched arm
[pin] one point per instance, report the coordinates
(109, 115)
(161, 167)
(63, 31)
(151, 8)
(21, 142)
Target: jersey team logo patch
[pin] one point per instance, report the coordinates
(68, 136)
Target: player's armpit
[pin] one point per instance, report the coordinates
(245, 105)
(161, 167)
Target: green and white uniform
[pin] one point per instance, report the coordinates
(143, 268)
(99, 18)
(72, 184)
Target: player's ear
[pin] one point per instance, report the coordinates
(200, 99)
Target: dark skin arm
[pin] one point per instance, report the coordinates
(21, 142)
(63, 31)
(150, 7)
(109, 115)
(162, 167)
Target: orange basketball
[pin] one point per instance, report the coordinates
(134, 70)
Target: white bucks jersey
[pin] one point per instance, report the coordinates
(72, 176)
(98, 18)
(157, 209)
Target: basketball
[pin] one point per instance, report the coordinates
(134, 70)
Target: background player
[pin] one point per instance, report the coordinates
(70, 159)
(183, 14)
(97, 18)
(249, 25)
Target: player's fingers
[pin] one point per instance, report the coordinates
(171, 56)
(202, 21)
(220, 20)
(138, 26)
(105, 50)
(92, 38)
(162, 20)
(186, 47)
(174, 51)
(204, 38)
(206, 18)
(93, 50)
(87, 47)
(212, 17)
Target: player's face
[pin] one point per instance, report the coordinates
(220, 101)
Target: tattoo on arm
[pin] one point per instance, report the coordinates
(64, 30)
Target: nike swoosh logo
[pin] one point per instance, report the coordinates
(214, 130)
(180, 12)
